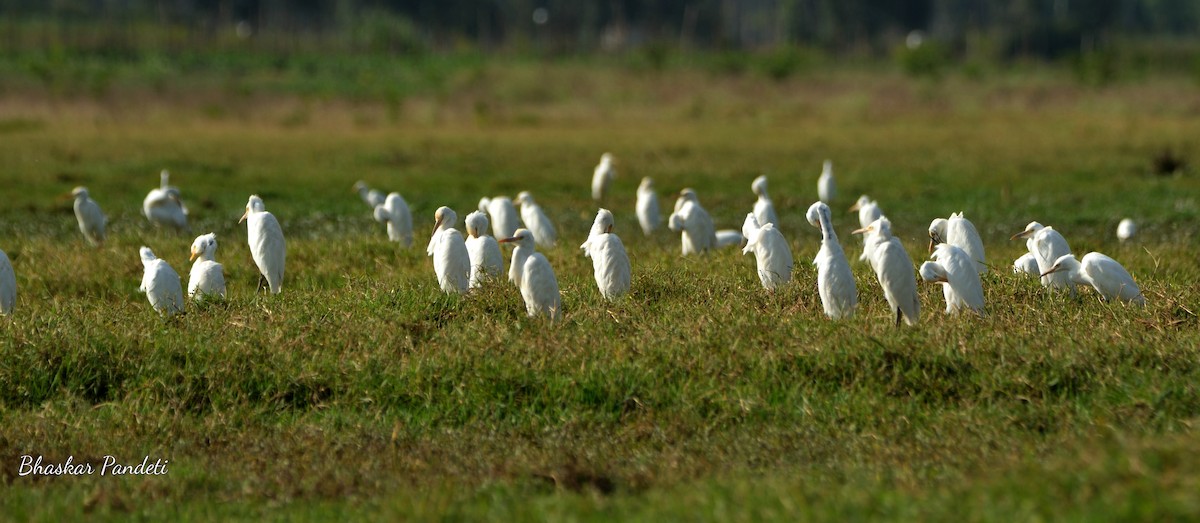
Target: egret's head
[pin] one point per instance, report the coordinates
(607, 158)
(675, 222)
(646, 185)
(937, 232)
(205, 246)
(759, 186)
(477, 224)
(688, 195)
(524, 197)
(934, 272)
(521, 237)
(483, 203)
(814, 213)
(444, 217)
(255, 204)
(1030, 230)
(882, 227)
(164, 178)
(361, 187)
(827, 168)
(146, 254)
(604, 221)
(79, 193)
(1065, 263)
(860, 203)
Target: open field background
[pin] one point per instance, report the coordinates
(363, 391)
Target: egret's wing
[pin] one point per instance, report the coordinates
(898, 278)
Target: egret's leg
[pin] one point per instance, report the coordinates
(898, 314)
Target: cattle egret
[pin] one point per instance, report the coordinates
(8, 285)
(267, 246)
(536, 221)
(503, 215)
(207, 278)
(394, 212)
(647, 207)
(371, 197)
(1026, 264)
(482, 249)
(894, 270)
(961, 233)
(771, 252)
(694, 223)
(161, 284)
(868, 212)
(610, 264)
(1047, 245)
(525, 248)
(539, 288)
(1126, 229)
(835, 281)
(602, 176)
(826, 188)
(956, 271)
(451, 262)
(764, 210)
(1104, 274)
(163, 206)
(91, 219)
(444, 218)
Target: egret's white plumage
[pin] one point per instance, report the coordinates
(610, 263)
(371, 197)
(8, 285)
(868, 212)
(163, 206)
(503, 215)
(1047, 245)
(536, 221)
(207, 278)
(894, 270)
(451, 261)
(826, 188)
(91, 219)
(394, 212)
(1026, 264)
(729, 238)
(647, 207)
(764, 210)
(1104, 274)
(444, 218)
(961, 233)
(771, 252)
(956, 271)
(265, 237)
(525, 247)
(161, 284)
(1126, 229)
(539, 288)
(694, 224)
(835, 281)
(483, 250)
(602, 176)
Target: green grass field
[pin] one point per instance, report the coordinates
(363, 391)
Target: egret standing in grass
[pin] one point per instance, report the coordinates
(694, 224)
(1104, 274)
(1026, 264)
(525, 248)
(371, 197)
(826, 188)
(894, 270)
(503, 215)
(451, 262)
(265, 237)
(8, 285)
(868, 212)
(163, 206)
(610, 263)
(482, 249)
(764, 210)
(1126, 229)
(647, 207)
(207, 278)
(1047, 245)
(771, 252)
(161, 284)
(539, 288)
(835, 281)
(961, 233)
(956, 271)
(536, 221)
(602, 176)
(91, 219)
(394, 212)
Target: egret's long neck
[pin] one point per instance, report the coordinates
(827, 233)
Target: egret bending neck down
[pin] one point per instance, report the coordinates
(835, 281)
(1103, 274)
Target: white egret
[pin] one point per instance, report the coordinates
(394, 212)
(161, 284)
(451, 262)
(729, 238)
(956, 271)
(163, 206)
(868, 212)
(894, 270)
(503, 215)
(536, 221)
(764, 210)
(91, 219)
(610, 263)
(826, 188)
(696, 226)
(602, 176)
(771, 252)
(524, 249)
(267, 246)
(961, 233)
(373, 198)
(1047, 245)
(539, 288)
(835, 281)
(1104, 274)
(1026, 264)
(482, 249)
(647, 206)
(207, 277)
(8, 285)
(1126, 229)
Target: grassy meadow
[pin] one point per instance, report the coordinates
(363, 391)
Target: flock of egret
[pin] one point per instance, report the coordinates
(461, 264)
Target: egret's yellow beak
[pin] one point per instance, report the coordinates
(193, 256)
(1022, 234)
(1051, 271)
(855, 207)
(863, 230)
(436, 225)
(244, 215)
(510, 240)
(609, 230)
